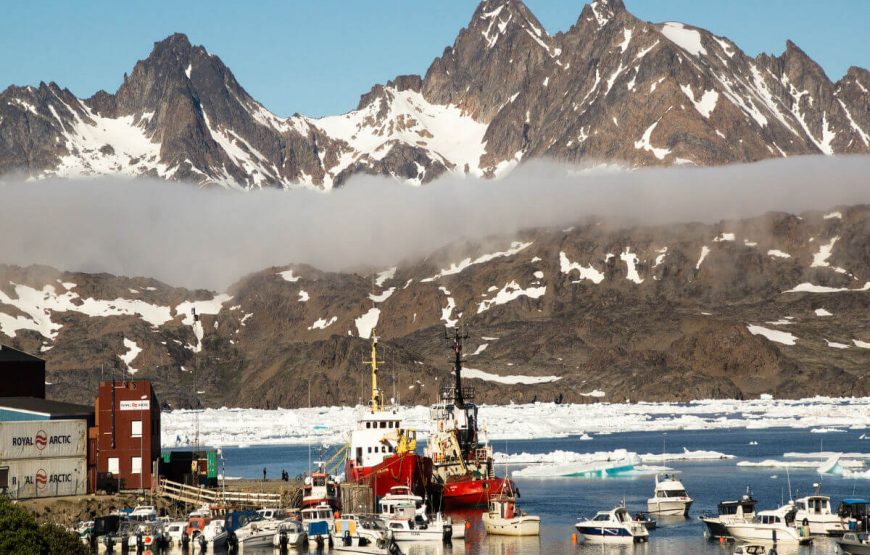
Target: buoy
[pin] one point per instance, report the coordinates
(467, 525)
(574, 538)
(721, 539)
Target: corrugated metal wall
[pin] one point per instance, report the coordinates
(45, 458)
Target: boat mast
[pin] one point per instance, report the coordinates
(376, 403)
(458, 337)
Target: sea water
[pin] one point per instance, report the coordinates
(560, 501)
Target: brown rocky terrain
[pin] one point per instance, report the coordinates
(773, 304)
(612, 88)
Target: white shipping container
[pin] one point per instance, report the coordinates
(35, 439)
(28, 478)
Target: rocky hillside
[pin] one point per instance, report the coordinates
(610, 88)
(775, 304)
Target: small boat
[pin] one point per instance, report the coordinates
(398, 500)
(418, 529)
(644, 518)
(362, 534)
(854, 544)
(855, 513)
(815, 511)
(319, 488)
(776, 526)
(147, 535)
(318, 521)
(670, 498)
(290, 533)
(613, 526)
(257, 533)
(502, 517)
(741, 510)
(214, 534)
(175, 530)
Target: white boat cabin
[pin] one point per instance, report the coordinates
(379, 435)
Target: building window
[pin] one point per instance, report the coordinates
(4, 478)
(114, 467)
(136, 465)
(136, 428)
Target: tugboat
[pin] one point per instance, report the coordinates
(462, 467)
(382, 452)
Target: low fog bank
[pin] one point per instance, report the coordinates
(194, 237)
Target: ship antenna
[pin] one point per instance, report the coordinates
(376, 403)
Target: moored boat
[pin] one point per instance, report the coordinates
(504, 518)
(670, 497)
(613, 526)
(775, 527)
(321, 487)
(382, 452)
(740, 510)
(461, 465)
(815, 511)
(853, 543)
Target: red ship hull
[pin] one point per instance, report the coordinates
(470, 492)
(408, 469)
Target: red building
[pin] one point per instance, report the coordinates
(127, 435)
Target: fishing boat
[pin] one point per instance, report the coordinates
(815, 511)
(670, 497)
(613, 526)
(775, 526)
(740, 510)
(461, 465)
(382, 451)
(320, 487)
(503, 517)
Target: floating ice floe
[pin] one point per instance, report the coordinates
(588, 465)
(228, 426)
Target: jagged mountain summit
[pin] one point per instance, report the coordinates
(612, 88)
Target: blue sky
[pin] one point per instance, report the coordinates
(316, 57)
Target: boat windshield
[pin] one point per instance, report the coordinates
(672, 493)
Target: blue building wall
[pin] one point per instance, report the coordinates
(16, 416)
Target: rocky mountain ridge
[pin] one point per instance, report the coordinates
(612, 88)
(774, 304)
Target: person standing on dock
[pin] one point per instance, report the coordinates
(264, 473)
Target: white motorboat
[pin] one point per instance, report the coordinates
(175, 530)
(257, 533)
(318, 521)
(146, 535)
(290, 533)
(776, 526)
(503, 518)
(405, 516)
(398, 500)
(421, 529)
(361, 534)
(854, 544)
(670, 498)
(613, 526)
(741, 510)
(214, 534)
(815, 511)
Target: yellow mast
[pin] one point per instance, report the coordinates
(376, 403)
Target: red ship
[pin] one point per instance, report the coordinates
(461, 465)
(382, 452)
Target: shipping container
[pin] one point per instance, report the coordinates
(27, 478)
(43, 439)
